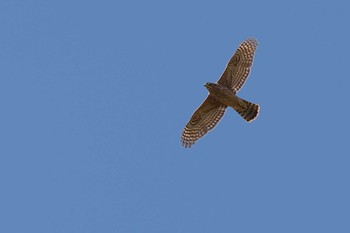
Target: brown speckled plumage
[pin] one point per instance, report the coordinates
(223, 94)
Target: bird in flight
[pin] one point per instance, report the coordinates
(223, 94)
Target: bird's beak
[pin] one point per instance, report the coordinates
(206, 85)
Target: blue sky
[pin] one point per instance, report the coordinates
(94, 96)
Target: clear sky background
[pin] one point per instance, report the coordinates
(94, 96)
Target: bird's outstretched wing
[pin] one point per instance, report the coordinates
(238, 68)
(203, 119)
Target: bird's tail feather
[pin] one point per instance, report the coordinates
(250, 111)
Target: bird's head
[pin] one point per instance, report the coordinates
(208, 86)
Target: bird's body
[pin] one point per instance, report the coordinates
(223, 94)
(227, 97)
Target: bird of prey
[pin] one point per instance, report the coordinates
(223, 94)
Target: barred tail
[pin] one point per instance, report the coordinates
(250, 111)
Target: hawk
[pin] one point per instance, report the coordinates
(223, 94)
